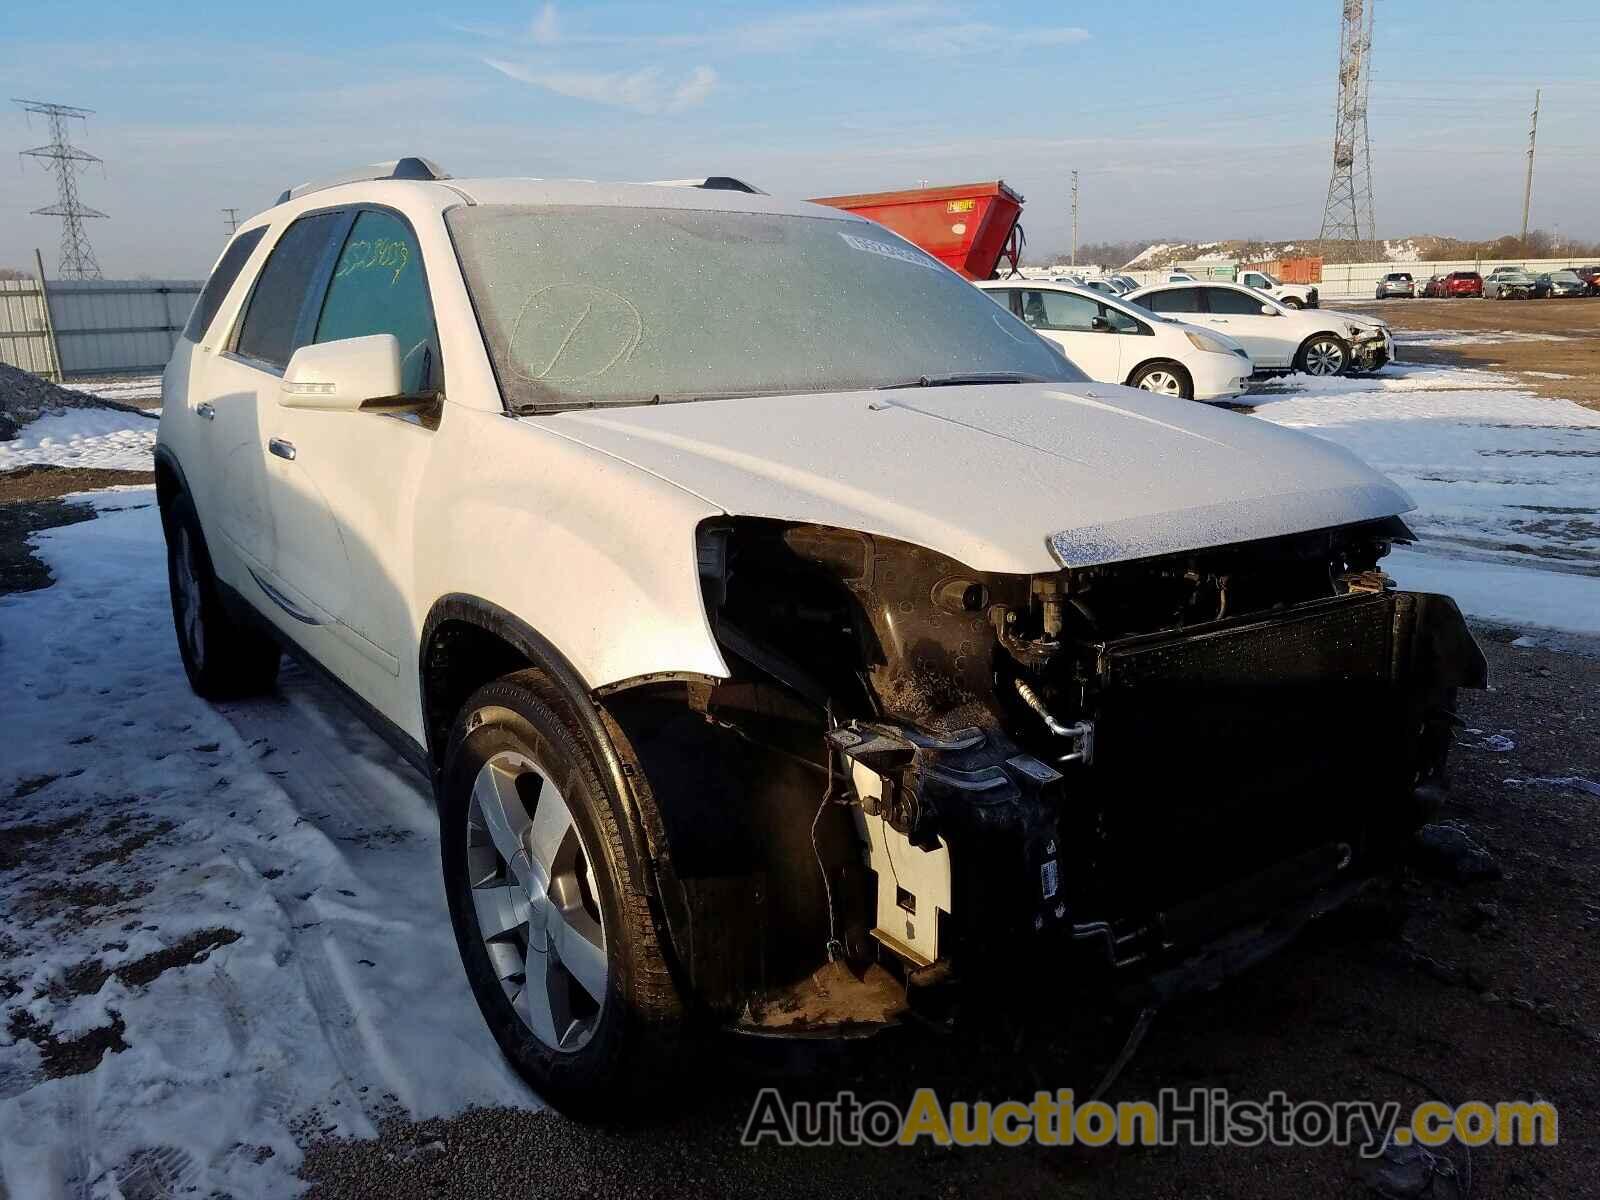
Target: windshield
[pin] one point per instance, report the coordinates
(585, 305)
(1271, 282)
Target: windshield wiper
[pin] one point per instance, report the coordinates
(958, 380)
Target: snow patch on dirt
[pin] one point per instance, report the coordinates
(84, 437)
(142, 817)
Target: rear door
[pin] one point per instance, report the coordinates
(1238, 313)
(1068, 319)
(189, 420)
(243, 385)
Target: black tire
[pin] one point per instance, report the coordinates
(1317, 350)
(1141, 377)
(1291, 302)
(223, 658)
(632, 1035)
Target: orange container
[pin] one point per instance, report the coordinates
(967, 226)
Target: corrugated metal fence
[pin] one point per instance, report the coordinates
(94, 326)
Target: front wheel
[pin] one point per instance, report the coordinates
(556, 935)
(1165, 378)
(223, 658)
(1324, 354)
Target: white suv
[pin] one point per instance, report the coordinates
(793, 638)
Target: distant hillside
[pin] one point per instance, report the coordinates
(1422, 248)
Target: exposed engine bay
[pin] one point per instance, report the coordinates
(919, 776)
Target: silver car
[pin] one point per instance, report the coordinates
(1397, 283)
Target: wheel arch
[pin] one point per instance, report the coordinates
(170, 479)
(1163, 360)
(468, 641)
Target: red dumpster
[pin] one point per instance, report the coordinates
(968, 226)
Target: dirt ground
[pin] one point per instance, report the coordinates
(1546, 338)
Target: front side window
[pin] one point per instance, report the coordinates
(1060, 311)
(1174, 300)
(1120, 321)
(595, 305)
(222, 277)
(270, 323)
(1225, 301)
(378, 287)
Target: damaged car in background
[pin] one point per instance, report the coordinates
(795, 640)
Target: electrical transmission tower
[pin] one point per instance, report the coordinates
(231, 216)
(1348, 212)
(64, 160)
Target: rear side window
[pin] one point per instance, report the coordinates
(268, 332)
(1176, 300)
(378, 287)
(227, 270)
(1226, 300)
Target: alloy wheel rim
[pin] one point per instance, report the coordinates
(1324, 358)
(537, 907)
(1164, 382)
(189, 608)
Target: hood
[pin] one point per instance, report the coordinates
(1018, 478)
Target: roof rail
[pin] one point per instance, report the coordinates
(399, 168)
(715, 183)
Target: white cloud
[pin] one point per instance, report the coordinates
(546, 28)
(648, 90)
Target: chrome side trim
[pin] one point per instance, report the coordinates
(282, 601)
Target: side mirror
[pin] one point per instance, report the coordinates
(1100, 325)
(343, 376)
(1268, 311)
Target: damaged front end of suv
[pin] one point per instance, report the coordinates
(932, 775)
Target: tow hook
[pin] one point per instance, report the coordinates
(1081, 734)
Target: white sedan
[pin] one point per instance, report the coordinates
(1113, 342)
(1278, 338)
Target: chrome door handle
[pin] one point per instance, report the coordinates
(282, 448)
(204, 409)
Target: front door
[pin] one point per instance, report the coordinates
(344, 483)
(1068, 319)
(1238, 312)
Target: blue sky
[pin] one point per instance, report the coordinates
(1183, 119)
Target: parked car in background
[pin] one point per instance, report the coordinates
(1112, 341)
(1290, 295)
(1104, 286)
(1126, 282)
(1277, 337)
(1508, 283)
(1590, 276)
(1180, 277)
(1559, 285)
(1457, 283)
(1397, 283)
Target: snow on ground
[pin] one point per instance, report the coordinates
(84, 437)
(125, 389)
(1507, 483)
(156, 816)
(1468, 337)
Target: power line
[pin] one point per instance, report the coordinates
(64, 161)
